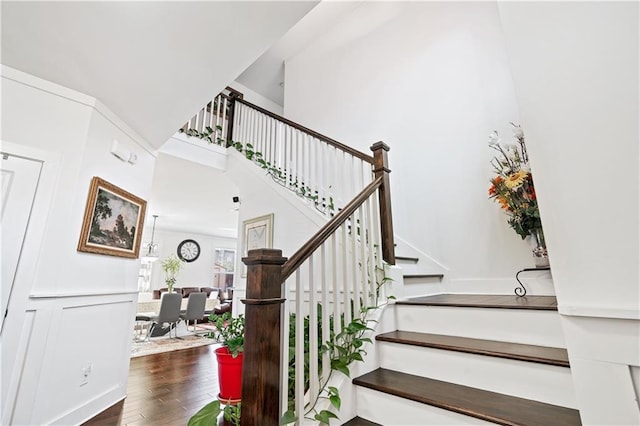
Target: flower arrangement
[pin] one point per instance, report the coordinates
(512, 187)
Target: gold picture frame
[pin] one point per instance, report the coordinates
(113, 220)
(256, 233)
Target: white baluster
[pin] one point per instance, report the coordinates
(215, 117)
(273, 143)
(372, 261)
(326, 324)
(353, 266)
(280, 148)
(263, 136)
(299, 360)
(300, 159)
(254, 130)
(313, 331)
(223, 118)
(284, 345)
(294, 155)
(334, 281)
(354, 276)
(378, 236)
(346, 269)
(210, 113)
(257, 145)
(362, 242)
(313, 157)
(322, 176)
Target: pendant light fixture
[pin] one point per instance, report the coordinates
(150, 253)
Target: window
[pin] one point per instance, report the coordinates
(223, 269)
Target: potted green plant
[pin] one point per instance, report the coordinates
(229, 332)
(171, 266)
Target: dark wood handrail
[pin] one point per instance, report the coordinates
(329, 228)
(332, 142)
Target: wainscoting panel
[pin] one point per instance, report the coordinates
(19, 373)
(77, 360)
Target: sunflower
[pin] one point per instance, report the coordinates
(516, 179)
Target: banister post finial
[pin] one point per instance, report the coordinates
(261, 365)
(381, 169)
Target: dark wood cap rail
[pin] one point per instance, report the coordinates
(329, 228)
(332, 142)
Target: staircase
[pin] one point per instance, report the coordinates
(470, 359)
(450, 359)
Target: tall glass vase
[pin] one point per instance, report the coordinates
(539, 248)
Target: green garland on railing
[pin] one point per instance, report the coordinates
(277, 174)
(206, 135)
(323, 205)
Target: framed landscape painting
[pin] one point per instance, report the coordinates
(112, 222)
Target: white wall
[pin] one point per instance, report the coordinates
(256, 98)
(431, 80)
(198, 273)
(575, 67)
(65, 297)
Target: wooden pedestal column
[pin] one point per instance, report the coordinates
(261, 366)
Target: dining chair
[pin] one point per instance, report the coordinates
(169, 314)
(195, 309)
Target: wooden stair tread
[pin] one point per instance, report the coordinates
(423, 276)
(548, 303)
(408, 259)
(358, 421)
(517, 351)
(482, 404)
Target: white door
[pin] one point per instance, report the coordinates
(18, 182)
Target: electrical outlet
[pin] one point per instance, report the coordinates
(85, 372)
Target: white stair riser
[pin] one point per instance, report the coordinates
(545, 383)
(537, 283)
(507, 325)
(415, 287)
(389, 410)
(408, 267)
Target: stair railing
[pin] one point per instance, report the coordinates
(328, 282)
(316, 165)
(211, 123)
(333, 278)
(313, 165)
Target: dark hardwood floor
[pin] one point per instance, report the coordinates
(165, 389)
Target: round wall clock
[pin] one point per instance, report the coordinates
(188, 250)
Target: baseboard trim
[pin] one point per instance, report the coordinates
(91, 408)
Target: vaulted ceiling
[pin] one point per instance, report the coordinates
(154, 64)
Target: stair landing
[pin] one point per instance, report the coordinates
(548, 303)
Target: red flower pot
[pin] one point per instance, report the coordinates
(229, 375)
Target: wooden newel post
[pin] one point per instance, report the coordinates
(381, 168)
(261, 364)
(232, 112)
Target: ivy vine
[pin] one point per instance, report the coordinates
(343, 348)
(323, 205)
(206, 134)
